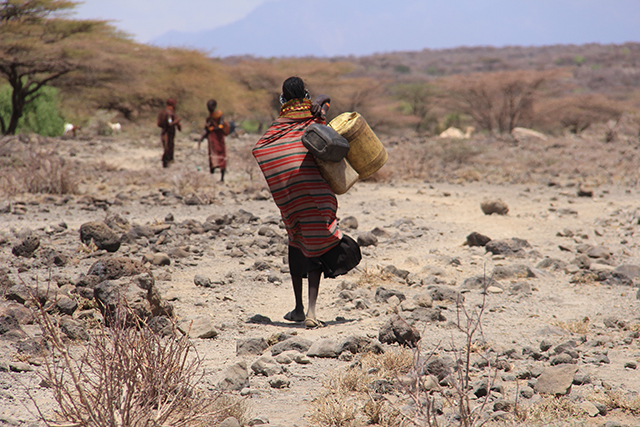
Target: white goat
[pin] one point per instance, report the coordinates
(70, 129)
(115, 127)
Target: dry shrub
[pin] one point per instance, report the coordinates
(347, 399)
(577, 113)
(188, 181)
(627, 402)
(130, 376)
(550, 409)
(576, 326)
(373, 277)
(40, 171)
(390, 364)
(459, 151)
(334, 410)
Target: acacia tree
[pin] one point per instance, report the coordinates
(498, 101)
(37, 46)
(419, 96)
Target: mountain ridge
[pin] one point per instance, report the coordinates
(300, 28)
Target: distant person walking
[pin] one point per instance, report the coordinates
(168, 122)
(215, 129)
(307, 204)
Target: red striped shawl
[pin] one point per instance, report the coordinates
(307, 204)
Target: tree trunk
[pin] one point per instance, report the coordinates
(17, 106)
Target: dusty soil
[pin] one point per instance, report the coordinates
(426, 225)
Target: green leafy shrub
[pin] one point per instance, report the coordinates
(41, 116)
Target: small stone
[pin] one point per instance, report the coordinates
(20, 367)
(494, 206)
(526, 392)
(251, 346)
(302, 359)
(367, 239)
(230, 422)
(589, 408)
(200, 280)
(161, 259)
(279, 381)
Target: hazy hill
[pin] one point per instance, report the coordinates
(362, 27)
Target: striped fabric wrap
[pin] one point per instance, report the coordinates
(307, 204)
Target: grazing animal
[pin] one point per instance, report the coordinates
(115, 127)
(70, 129)
(456, 133)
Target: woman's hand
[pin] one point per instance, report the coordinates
(318, 104)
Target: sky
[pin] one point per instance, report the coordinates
(148, 19)
(363, 27)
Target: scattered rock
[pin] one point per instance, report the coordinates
(26, 247)
(397, 330)
(198, 327)
(251, 346)
(494, 207)
(279, 381)
(10, 328)
(556, 380)
(200, 280)
(507, 247)
(230, 422)
(295, 343)
(367, 239)
(383, 294)
(115, 268)
(349, 222)
(477, 239)
(325, 348)
(73, 329)
(235, 378)
(259, 319)
(267, 366)
(101, 235)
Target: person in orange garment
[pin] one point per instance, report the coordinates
(168, 122)
(215, 129)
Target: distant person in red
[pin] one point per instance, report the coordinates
(215, 129)
(168, 122)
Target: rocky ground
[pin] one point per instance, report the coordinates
(554, 267)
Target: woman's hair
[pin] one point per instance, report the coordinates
(211, 105)
(171, 102)
(293, 88)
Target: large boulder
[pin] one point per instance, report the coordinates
(101, 235)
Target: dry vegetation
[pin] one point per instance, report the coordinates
(130, 374)
(528, 87)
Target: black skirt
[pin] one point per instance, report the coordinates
(337, 261)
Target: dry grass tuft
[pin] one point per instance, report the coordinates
(347, 399)
(39, 171)
(577, 326)
(373, 277)
(334, 410)
(627, 402)
(390, 364)
(550, 409)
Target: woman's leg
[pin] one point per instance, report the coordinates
(314, 287)
(297, 314)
